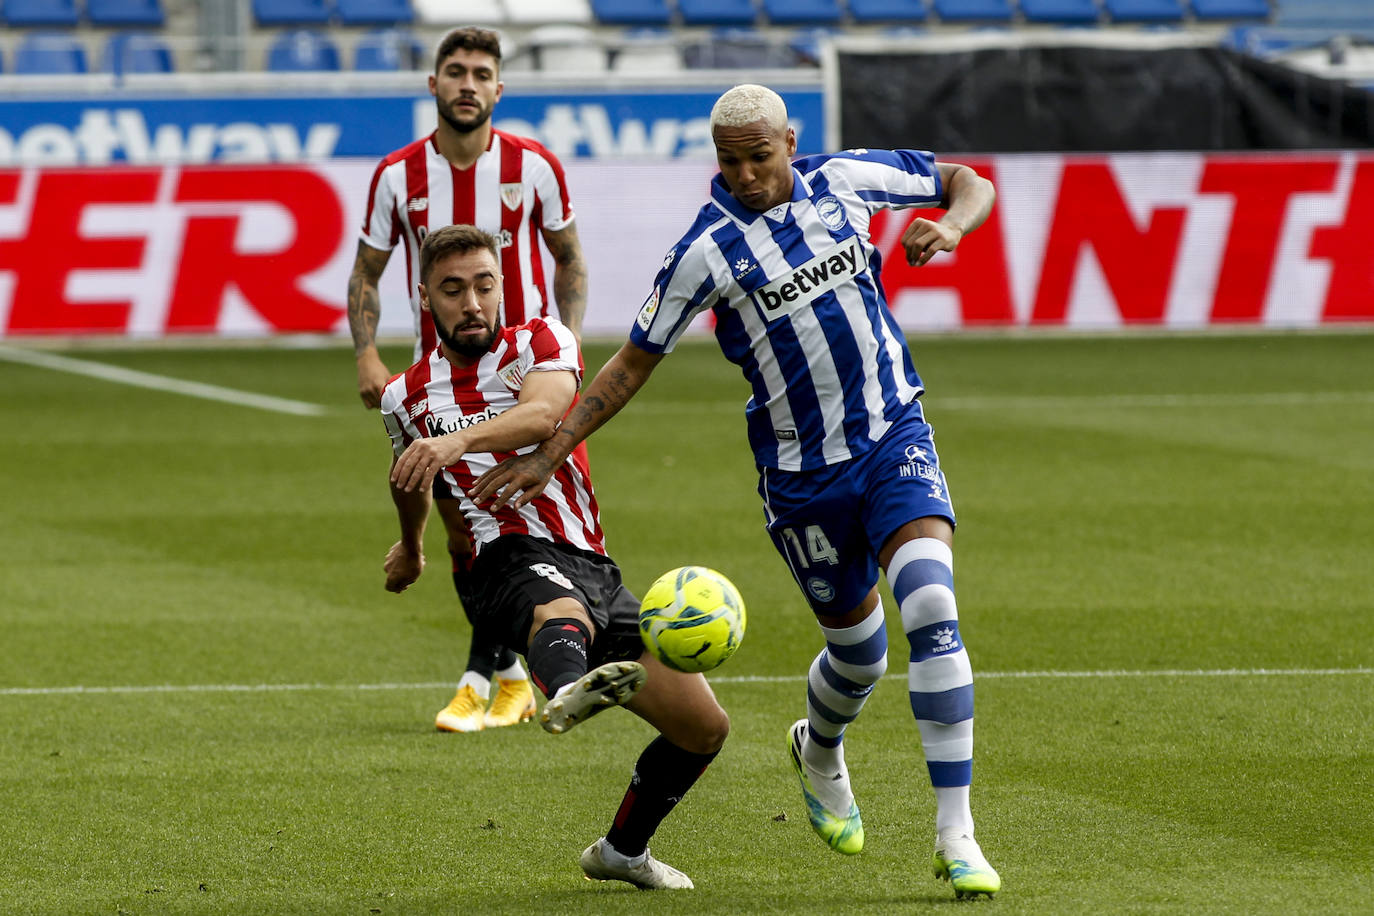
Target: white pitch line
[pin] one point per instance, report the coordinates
(727, 679)
(159, 382)
(1059, 402)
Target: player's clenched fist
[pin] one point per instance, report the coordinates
(924, 237)
(403, 566)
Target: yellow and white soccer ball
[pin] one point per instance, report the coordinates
(692, 618)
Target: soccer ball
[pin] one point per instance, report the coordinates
(692, 619)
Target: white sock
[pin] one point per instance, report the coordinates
(612, 856)
(953, 817)
(514, 672)
(476, 682)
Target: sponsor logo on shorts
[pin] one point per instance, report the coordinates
(820, 589)
(550, 572)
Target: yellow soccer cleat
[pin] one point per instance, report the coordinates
(959, 860)
(841, 832)
(514, 703)
(466, 712)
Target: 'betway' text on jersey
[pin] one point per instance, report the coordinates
(798, 305)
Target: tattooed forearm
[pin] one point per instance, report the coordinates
(569, 276)
(364, 302)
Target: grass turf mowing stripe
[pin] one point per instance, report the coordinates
(139, 379)
(739, 679)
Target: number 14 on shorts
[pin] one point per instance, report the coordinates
(811, 547)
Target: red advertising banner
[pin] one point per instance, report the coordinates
(1152, 240)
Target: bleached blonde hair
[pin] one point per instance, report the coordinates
(748, 103)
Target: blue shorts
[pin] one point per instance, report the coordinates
(829, 524)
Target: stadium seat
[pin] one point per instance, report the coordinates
(389, 49)
(532, 12)
(564, 48)
(302, 49)
(375, 12)
(49, 53)
(41, 13)
(717, 12)
(130, 52)
(802, 12)
(1144, 10)
(122, 13)
(1062, 11)
(974, 10)
(1231, 9)
(470, 12)
(632, 12)
(888, 10)
(738, 49)
(808, 43)
(291, 12)
(647, 50)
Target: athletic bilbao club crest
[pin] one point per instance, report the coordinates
(512, 195)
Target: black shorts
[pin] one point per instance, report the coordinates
(516, 573)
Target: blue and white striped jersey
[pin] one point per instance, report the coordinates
(798, 305)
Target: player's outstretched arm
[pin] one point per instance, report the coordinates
(406, 558)
(569, 277)
(544, 399)
(968, 201)
(519, 480)
(364, 311)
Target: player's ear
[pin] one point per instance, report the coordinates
(500, 88)
(433, 86)
(424, 296)
(791, 142)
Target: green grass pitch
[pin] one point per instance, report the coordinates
(1165, 565)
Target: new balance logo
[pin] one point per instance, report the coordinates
(826, 271)
(416, 204)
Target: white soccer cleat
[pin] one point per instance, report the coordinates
(649, 875)
(613, 684)
(960, 861)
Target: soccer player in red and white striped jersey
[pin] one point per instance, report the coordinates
(468, 173)
(488, 392)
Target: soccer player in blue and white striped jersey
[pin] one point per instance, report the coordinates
(848, 472)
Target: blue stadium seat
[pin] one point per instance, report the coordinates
(292, 12)
(736, 48)
(1231, 9)
(1065, 11)
(125, 12)
(302, 50)
(49, 53)
(888, 10)
(717, 12)
(632, 12)
(1144, 10)
(131, 52)
(389, 49)
(974, 10)
(41, 13)
(375, 12)
(802, 12)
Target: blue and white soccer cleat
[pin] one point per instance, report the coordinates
(960, 861)
(841, 832)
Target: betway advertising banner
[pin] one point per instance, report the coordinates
(194, 130)
(1092, 242)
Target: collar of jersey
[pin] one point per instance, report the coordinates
(721, 197)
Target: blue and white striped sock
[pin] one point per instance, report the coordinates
(841, 678)
(939, 676)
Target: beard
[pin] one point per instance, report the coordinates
(463, 127)
(472, 347)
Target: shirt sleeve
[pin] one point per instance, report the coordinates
(398, 427)
(683, 289)
(889, 179)
(381, 221)
(551, 188)
(552, 348)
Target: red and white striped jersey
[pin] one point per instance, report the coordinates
(513, 190)
(435, 397)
